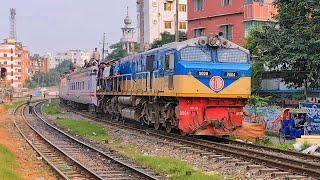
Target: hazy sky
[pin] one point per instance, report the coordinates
(58, 25)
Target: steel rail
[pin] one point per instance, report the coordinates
(280, 162)
(135, 170)
(94, 175)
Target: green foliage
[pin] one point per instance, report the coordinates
(169, 167)
(51, 109)
(294, 46)
(299, 96)
(117, 52)
(84, 128)
(257, 101)
(268, 143)
(31, 84)
(8, 164)
(166, 38)
(305, 146)
(14, 104)
(63, 67)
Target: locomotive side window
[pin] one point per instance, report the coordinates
(169, 62)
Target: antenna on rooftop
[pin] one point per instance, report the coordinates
(13, 32)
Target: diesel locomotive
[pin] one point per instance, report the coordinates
(198, 86)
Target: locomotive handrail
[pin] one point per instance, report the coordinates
(147, 80)
(153, 80)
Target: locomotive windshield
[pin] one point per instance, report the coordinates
(213, 54)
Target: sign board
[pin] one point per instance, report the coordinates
(313, 116)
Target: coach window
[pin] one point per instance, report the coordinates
(169, 62)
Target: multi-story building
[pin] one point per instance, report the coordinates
(158, 17)
(234, 18)
(38, 64)
(15, 58)
(75, 56)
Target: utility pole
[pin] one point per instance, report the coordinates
(104, 39)
(141, 7)
(177, 21)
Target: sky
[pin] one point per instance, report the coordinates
(51, 26)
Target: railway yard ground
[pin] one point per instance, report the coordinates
(160, 157)
(17, 159)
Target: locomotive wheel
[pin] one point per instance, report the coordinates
(168, 127)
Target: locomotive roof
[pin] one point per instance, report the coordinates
(190, 42)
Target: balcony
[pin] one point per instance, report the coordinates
(259, 11)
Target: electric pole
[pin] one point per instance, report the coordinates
(141, 8)
(177, 21)
(104, 39)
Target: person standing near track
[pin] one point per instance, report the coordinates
(30, 106)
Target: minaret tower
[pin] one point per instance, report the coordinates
(128, 38)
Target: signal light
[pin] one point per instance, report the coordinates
(3, 72)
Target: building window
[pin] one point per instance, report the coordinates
(226, 2)
(11, 81)
(167, 24)
(182, 7)
(19, 77)
(198, 32)
(75, 60)
(198, 5)
(19, 70)
(19, 85)
(11, 73)
(5, 55)
(5, 62)
(11, 50)
(19, 55)
(227, 31)
(182, 25)
(11, 66)
(11, 58)
(168, 6)
(74, 53)
(19, 63)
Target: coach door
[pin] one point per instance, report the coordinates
(149, 68)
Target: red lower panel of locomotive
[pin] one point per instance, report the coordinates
(211, 117)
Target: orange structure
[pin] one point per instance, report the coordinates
(234, 18)
(15, 58)
(38, 64)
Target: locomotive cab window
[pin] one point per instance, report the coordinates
(169, 62)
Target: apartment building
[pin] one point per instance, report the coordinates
(159, 16)
(75, 56)
(15, 58)
(38, 64)
(234, 18)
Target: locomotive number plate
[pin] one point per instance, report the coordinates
(203, 73)
(231, 74)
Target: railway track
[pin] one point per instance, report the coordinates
(288, 163)
(69, 157)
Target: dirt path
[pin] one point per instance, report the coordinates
(30, 167)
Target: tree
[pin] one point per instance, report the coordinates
(117, 51)
(255, 102)
(166, 38)
(31, 84)
(257, 69)
(63, 67)
(292, 44)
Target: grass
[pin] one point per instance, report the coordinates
(172, 168)
(15, 104)
(165, 166)
(51, 108)
(305, 146)
(84, 129)
(8, 164)
(268, 143)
